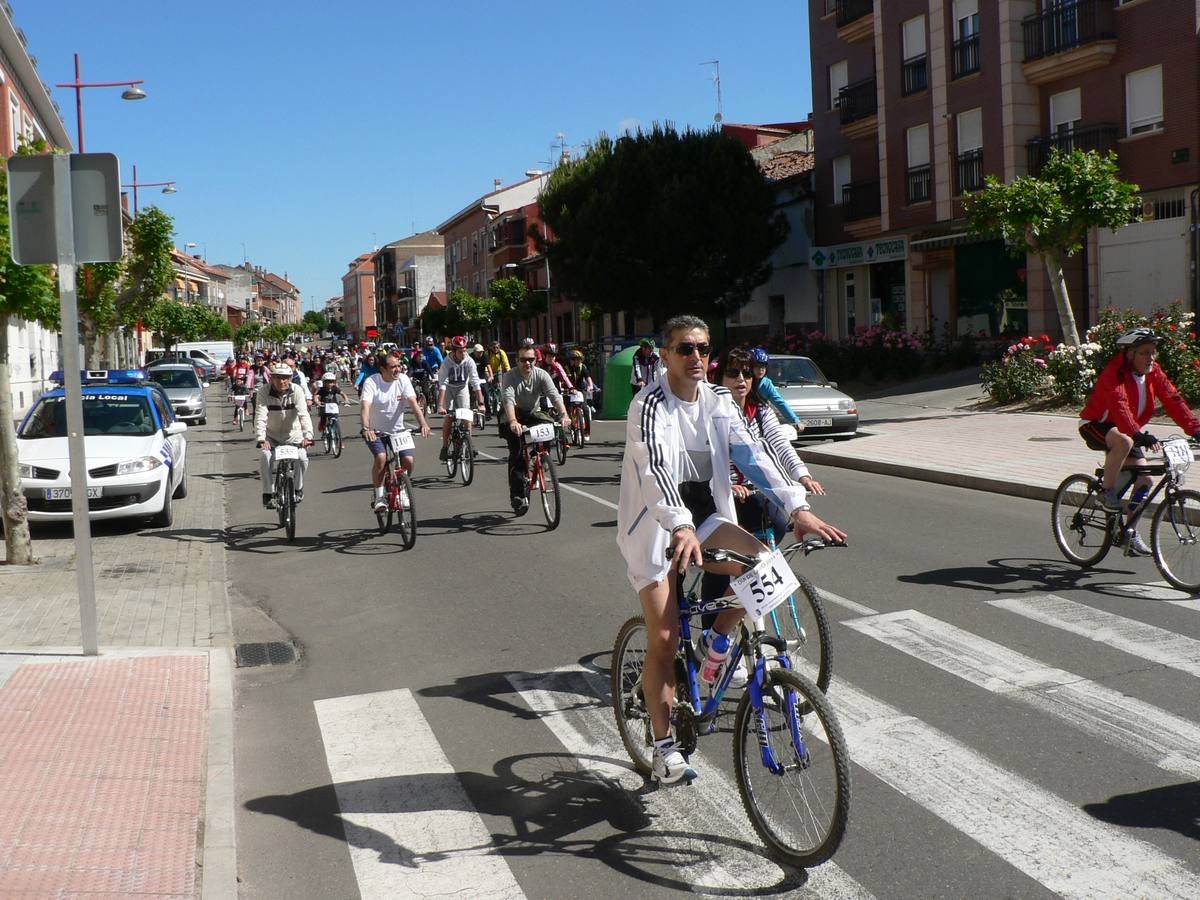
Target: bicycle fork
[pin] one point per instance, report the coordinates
(791, 714)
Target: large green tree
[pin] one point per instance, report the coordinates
(661, 222)
(1050, 214)
(317, 320)
(29, 293)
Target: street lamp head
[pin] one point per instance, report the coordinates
(133, 92)
(170, 189)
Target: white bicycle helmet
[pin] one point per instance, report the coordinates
(1136, 336)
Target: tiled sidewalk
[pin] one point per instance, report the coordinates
(102, 777)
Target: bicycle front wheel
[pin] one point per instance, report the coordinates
(1175, 540)
(633, 720)
(406, 516)
(793, 769)
(804, 624)
(452, 457)
(281, 483)
(560, 446)
(466, 464)
(289, 506)
(328, 439)
(337, 439)
(551, 505)
(1081, 525)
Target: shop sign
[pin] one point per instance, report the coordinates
(862, 253)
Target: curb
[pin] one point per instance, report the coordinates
(935, 476)
(219, 855)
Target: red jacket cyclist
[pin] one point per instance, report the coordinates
(1121, 404)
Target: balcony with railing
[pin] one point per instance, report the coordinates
(857, 108)
(914, 75)
(860, 200)
(1067, 38)
(917, 184)
(964, 56)
(969, 171)
(1101, 138)
(855, 20)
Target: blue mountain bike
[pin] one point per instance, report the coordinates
(790, 757)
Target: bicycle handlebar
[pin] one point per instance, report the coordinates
(807, 545)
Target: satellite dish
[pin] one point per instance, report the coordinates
(717, 118)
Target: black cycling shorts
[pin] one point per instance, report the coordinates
(1094, 433)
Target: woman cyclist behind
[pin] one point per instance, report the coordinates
(1116, 413)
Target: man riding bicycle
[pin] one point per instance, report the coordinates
(681, 436)
(281, 417)
(457, 380)
(1117, 411)
(384, 397)
(524, 390)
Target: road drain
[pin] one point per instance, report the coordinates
(273, 653)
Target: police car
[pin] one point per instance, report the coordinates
(136, 451)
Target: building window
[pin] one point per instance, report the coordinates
(15, 123)
(913, 51)
(1065, 113)
(964, 50)
(918, 179)
(1143, 101)
(970, 150)
(841, 178)
(839, 77)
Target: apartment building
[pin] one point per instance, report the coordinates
(915, 102)
(407, 272)
(358, 298)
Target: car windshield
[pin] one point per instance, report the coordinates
(799, 370)
(102, 414)
(175, 378)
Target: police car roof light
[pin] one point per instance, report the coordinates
(103, 376)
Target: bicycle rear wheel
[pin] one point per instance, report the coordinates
(466, 465)
(633, 720)
(548, 485)
(799, 804)
(804, 624)
(1175, 540)
(1082, 527)
(406, 516)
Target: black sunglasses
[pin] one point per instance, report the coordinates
(748, 374)
(687, 348)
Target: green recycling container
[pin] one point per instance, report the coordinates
(618, 392)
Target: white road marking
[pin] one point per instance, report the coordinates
(1035, 831)
(853, 606)
(1148, 732)
(410, 828)
(565, 487)
(1158, 645)
(573, 703)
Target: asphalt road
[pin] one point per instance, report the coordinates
(993, 752)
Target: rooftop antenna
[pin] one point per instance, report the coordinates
(716, 77)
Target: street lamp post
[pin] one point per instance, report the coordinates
(131, 92)
(168, 187)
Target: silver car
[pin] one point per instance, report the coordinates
(184, 389)
(824, 411)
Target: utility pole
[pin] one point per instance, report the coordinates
(716, 78)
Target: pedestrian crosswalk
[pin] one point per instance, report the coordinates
(399, 794)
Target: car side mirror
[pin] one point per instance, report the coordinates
(176, 427)
(832, 384)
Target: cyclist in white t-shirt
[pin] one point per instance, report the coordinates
(384, 398)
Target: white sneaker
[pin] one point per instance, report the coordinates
(379, 504)
(1136, 546)
(741, 675)
(670, 767)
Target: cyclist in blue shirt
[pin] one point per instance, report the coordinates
(766, 390)
(365, 371)
(433, 356)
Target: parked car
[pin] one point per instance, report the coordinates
(824, 411)
(206, 370)
(136, 451)
(184, 389)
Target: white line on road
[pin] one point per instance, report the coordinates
(573, 704)
(565, 487)
(406, 814)
(1148, 732)
(1158, 645)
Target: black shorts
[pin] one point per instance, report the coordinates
(1093, 434)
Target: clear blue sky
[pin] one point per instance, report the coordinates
(310, 132)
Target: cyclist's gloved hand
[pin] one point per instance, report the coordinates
(1144, 439)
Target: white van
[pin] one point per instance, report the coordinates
(215, 352)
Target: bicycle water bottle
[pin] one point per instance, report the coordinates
(718, 652)
(1137, 497)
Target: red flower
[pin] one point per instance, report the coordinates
(1044, 338)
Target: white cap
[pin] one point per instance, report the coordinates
(281, 369)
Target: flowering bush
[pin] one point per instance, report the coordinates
(1021, 374)
(881, 351)
(1033, 368)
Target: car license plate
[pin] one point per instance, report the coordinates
(817, 423)
(65, 493)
